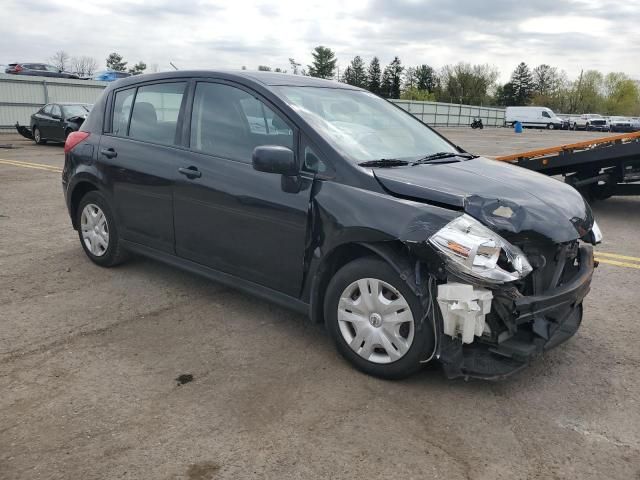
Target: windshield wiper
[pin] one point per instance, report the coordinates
(384, 163)
(446, 156)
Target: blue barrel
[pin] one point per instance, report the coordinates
(517, 127)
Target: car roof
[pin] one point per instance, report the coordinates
(268, 79)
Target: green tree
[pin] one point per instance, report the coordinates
(426, 78)
(414, 93)
(544, 80)
(373, 76)
(621, 95)
(324, 63)
(138, 68)
(264, 68)
(410, 78)
(347, 76)
(392, 79)
(386, 84)
(358, 73)
(115, 62)
(466, 83)
(586, 93)
(523, 85)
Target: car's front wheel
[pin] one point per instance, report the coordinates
(37, 136)
(98, 231)
(376, 320)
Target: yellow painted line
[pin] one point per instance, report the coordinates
(618, 264)
(22, 162)
(37, 166)
(615, 255)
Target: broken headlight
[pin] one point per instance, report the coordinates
(472, 249)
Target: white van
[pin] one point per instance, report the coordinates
(541, 117)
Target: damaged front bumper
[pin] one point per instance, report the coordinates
(535, 323)
(24, 131)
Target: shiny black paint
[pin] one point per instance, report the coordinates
(541, 205)
(273, 233)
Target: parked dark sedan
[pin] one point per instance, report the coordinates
(55, 121)
(332, 201)
(38, 69)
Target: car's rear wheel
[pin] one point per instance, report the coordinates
(37, 136)
(376, 320)
(98, 231)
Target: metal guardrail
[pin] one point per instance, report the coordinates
(21, 96)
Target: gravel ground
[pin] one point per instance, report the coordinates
(89, 359)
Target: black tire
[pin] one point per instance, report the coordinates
(550, 126)
(423, 337)
(114, 253)
(37, 136)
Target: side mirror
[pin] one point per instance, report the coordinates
(274, 159)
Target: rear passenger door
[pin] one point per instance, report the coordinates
(227, 215)
(138, 155)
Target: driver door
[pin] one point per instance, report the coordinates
(227, 215)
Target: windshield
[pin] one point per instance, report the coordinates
(362, 126)
(76, 110)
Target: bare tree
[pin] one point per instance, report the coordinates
(84, 66)
(60, 60)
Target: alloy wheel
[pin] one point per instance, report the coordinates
(375, 320)
(95, 229)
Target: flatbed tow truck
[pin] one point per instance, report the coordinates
(598, 168)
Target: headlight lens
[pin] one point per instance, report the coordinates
(472, 249)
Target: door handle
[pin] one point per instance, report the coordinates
(190, 172)
(109, 152)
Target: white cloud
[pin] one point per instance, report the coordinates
(573, 34)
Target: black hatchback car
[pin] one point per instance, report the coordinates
(332, 201)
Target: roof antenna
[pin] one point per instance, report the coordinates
(174, 67)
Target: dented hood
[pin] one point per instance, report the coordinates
(502, 196)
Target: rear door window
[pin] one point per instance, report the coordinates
(155, 112)
(122, 111)
(229, 122)
(47, 109)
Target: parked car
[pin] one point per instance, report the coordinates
(621, 124)
(540, 117)
(55, 121)
(327, 199)
(591, 121)
(110, 76)
(38, 69)
(635, 123)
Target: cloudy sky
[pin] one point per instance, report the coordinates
(570, 34)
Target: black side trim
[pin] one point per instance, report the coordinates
(222, 277)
